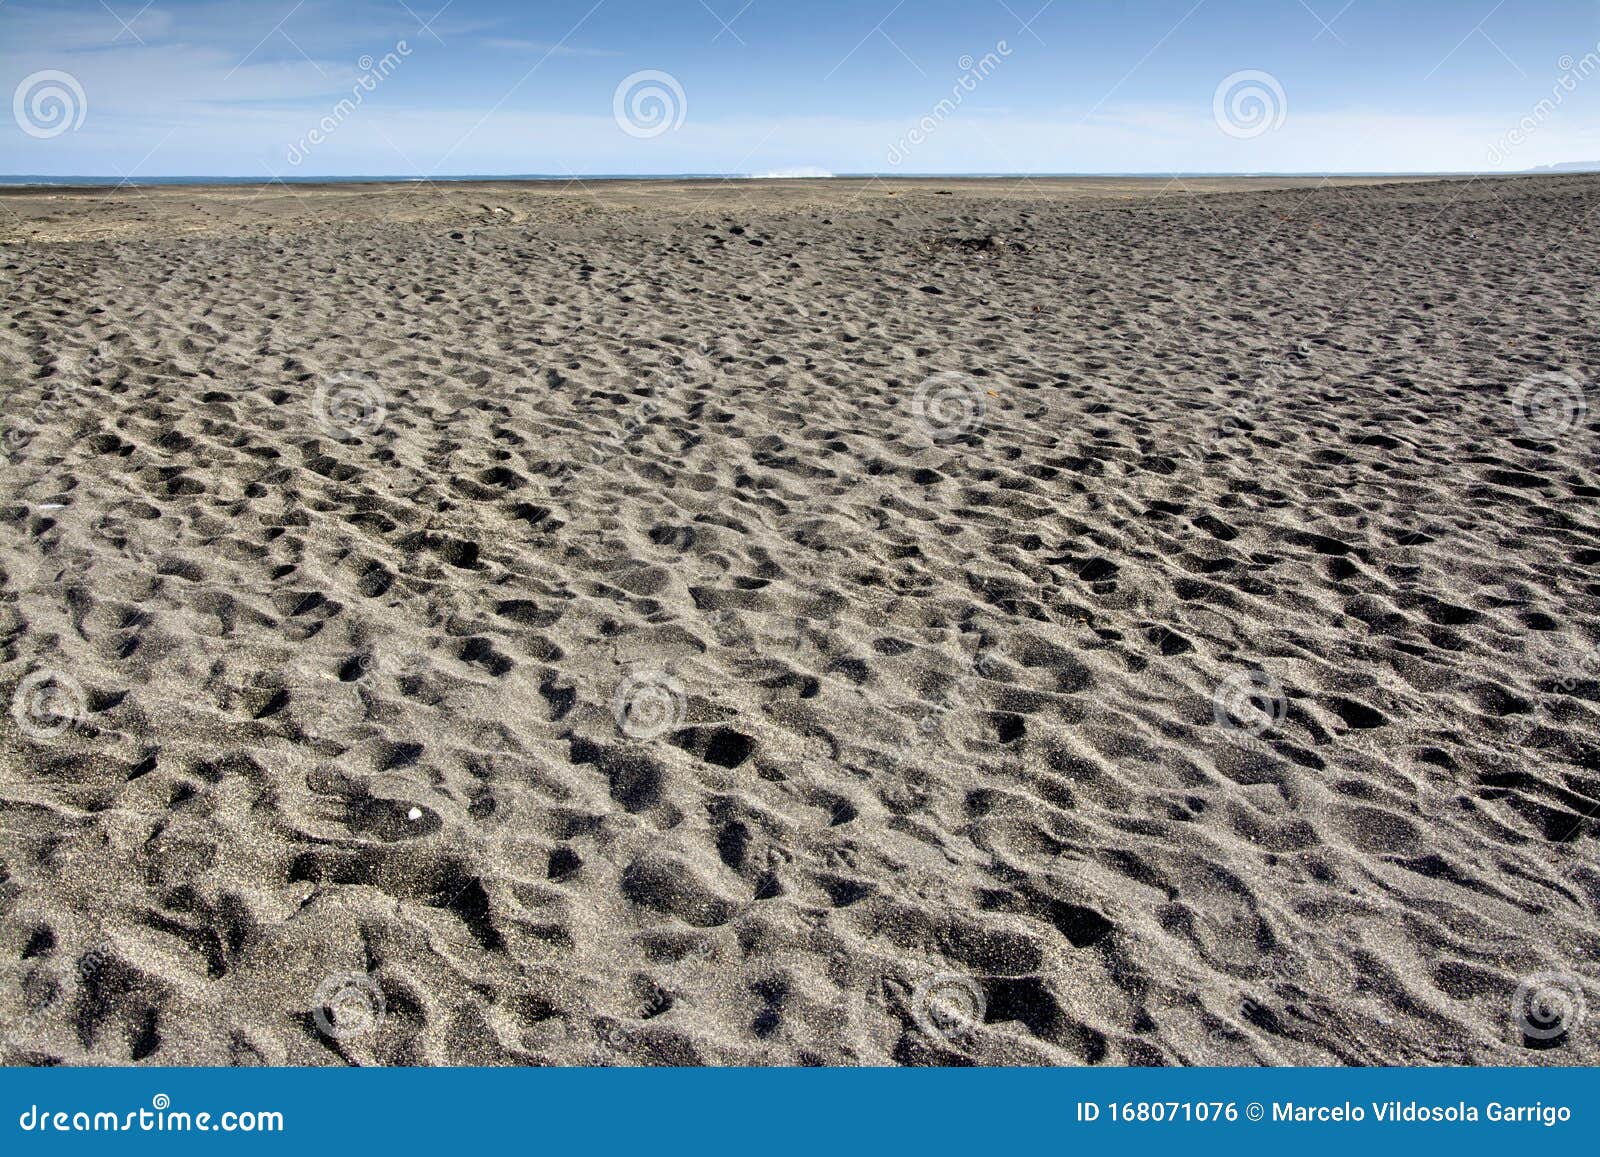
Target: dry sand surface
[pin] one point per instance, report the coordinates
(801, 622)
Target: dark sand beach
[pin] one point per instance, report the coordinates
(801, 622)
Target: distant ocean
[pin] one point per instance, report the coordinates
(34, 179)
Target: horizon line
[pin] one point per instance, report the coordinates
(90, 180)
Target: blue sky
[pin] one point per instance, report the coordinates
(187, 87)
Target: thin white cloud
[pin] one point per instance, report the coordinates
(543, 48)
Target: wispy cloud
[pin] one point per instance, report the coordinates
(543, 48)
